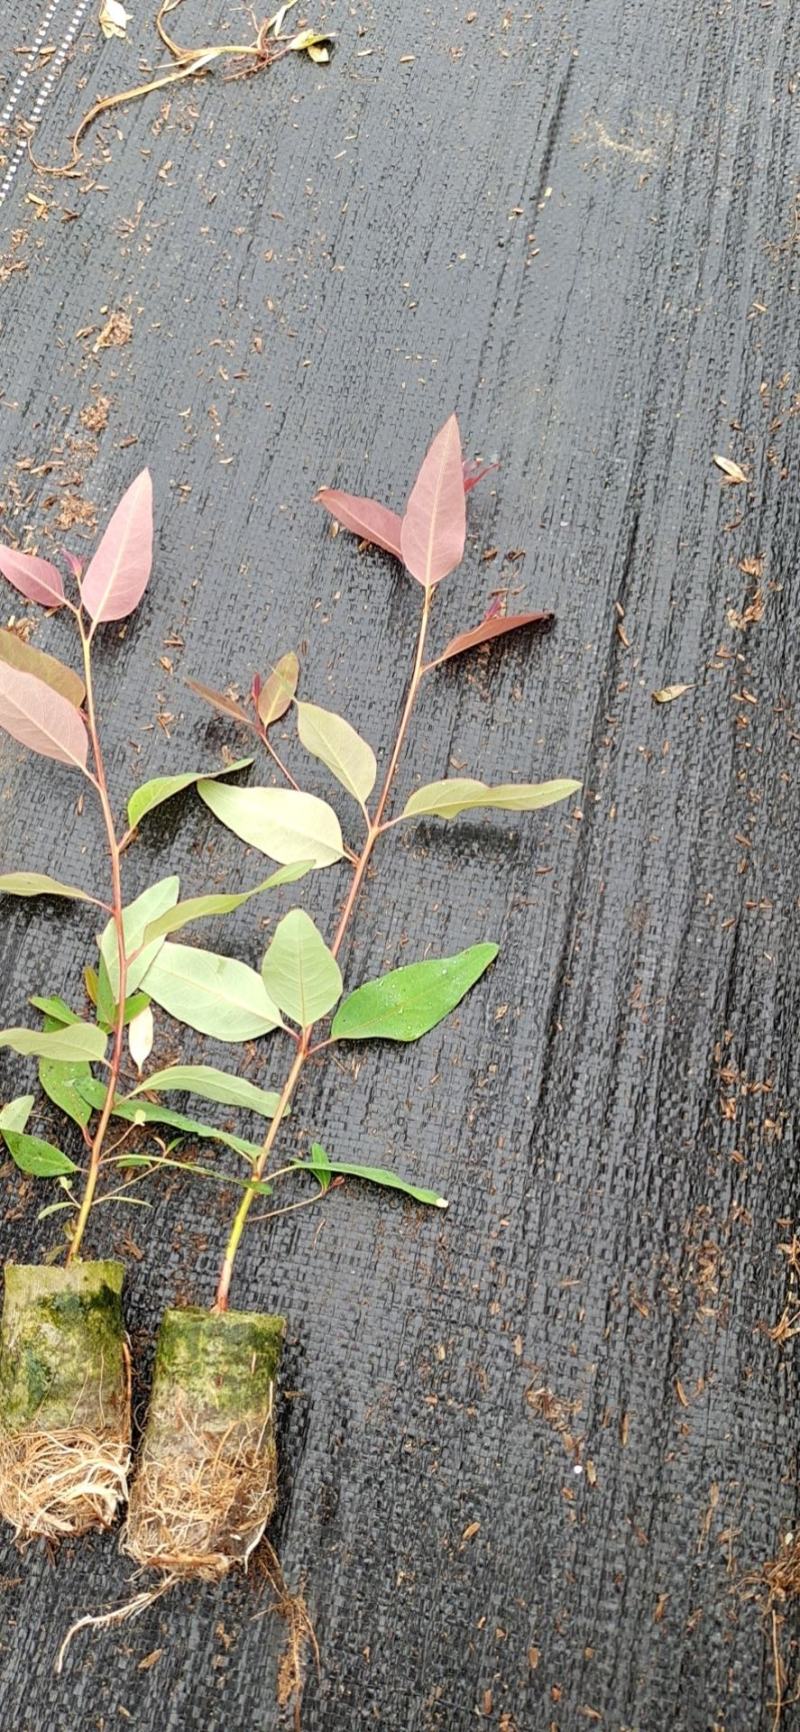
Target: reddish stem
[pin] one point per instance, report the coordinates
(99, 782)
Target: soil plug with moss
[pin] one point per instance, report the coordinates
(206, 1483)
(206, 1477)
(64, 1401)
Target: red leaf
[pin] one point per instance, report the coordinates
(474, 472)
(487, 630)
(373, 522)
(41, 718)
(434, 528)
(220, 701)
(36, 579)
(116, 577)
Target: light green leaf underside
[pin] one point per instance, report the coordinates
(299, 971)
(15, 1114)
(161, 788)
(447, 799)
(285, 825)
(138, 915)
(39, 884)
(80, 1040)
(150, 1112)
(337, 745)
(211, 1085)
(216, 995)
(322, 1167)
(204, 907)
(408, 1002)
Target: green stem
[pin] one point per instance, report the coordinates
(99, 781)
(361, 863)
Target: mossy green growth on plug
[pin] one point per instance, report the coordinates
(62, 1347)
(223, 1362)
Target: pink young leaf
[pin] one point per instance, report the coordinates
(488, 629)
(36, 579)
(116, 577)
(435, 524)
(75, 565)
(474, 472)
(41, 718)
(495, 609)
(373, 522)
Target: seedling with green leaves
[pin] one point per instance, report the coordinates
(205, 1486)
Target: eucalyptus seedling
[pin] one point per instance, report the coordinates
(205, 1486)
(64, 1375)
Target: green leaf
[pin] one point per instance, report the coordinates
(284, 824)
(41, 1160)
(81, 1040)
(278, 690)
(321, 1167)
(39, 884)
(408, 1002)
(299, 971)
(15, 1114)
(134, 1005)
(138, 915)
(214, 994)
(202, 907)
(260, 1186)
(152, 794)
(150, 1113)
(55, 1008)
(331, 739)
(459, 794)
(211, 1085)
(60, 1083)
(104, 1000)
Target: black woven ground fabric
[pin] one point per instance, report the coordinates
(533, 1451)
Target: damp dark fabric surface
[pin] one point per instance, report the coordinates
(533, 1449)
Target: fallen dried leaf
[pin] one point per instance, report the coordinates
(668, 694)
(113, 19)
(733, 472)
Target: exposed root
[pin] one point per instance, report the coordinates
(202, 1496)
(300, 1633)
(107, 1620)
(58, 1483)
(781, 1576)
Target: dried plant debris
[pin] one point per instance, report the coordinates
(668, 694)
(240, 59)
(733, 475)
